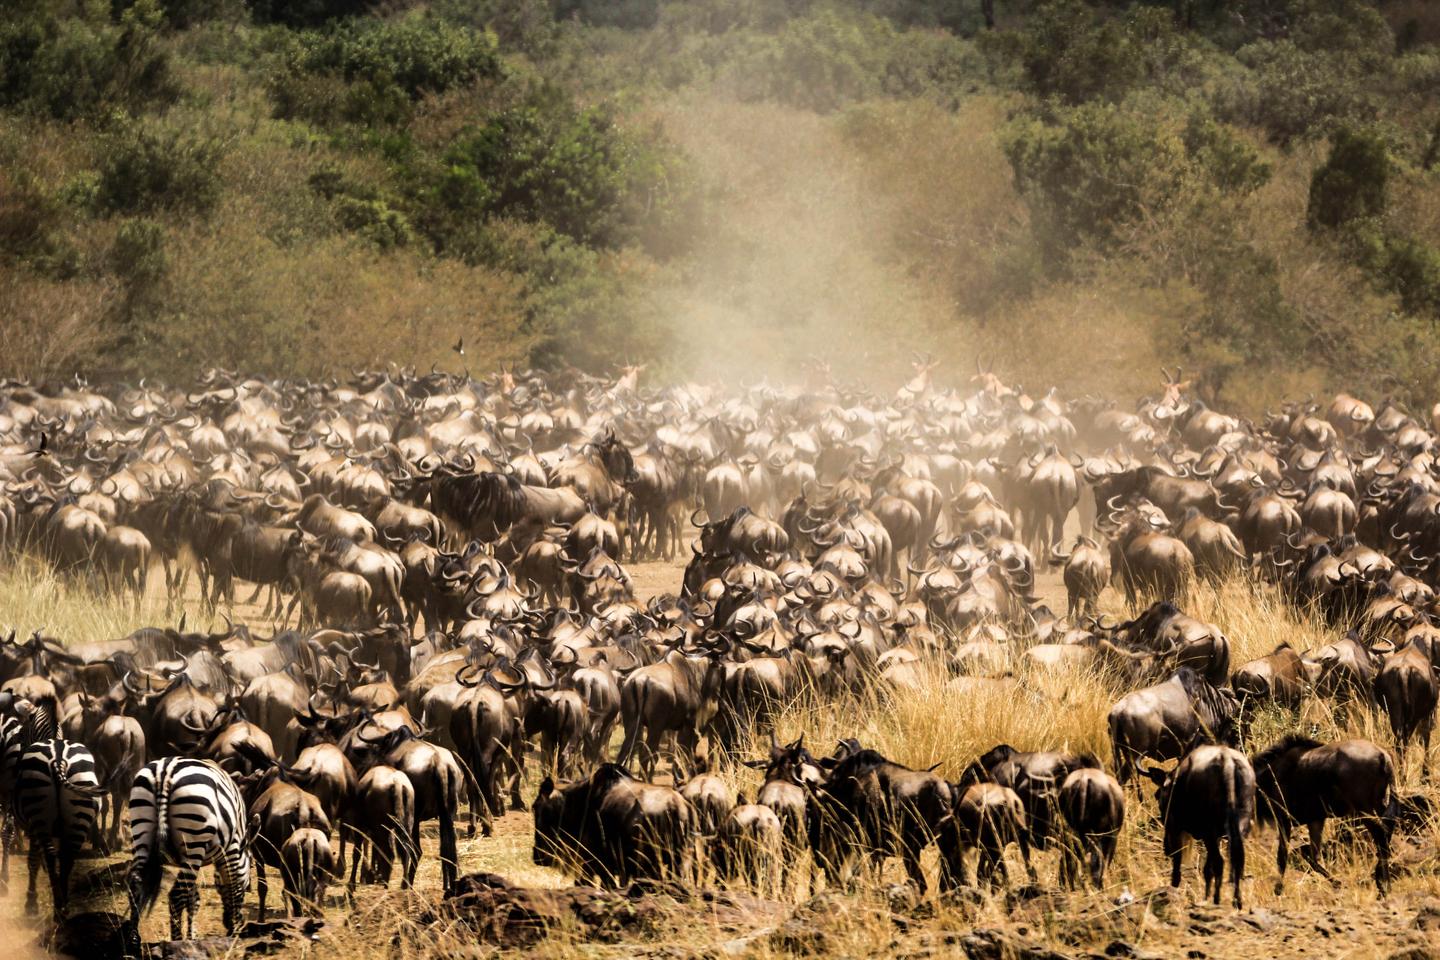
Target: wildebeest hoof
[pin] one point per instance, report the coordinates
(1279, 887)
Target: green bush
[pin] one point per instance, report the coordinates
(1352, 183)
(1402, 265)
(79, 66)
(146, 169)
(137, 256)
(372, 69)
(32, 230)
(1075, 53)
(1087, 170)
(1412, 270)
(307, 13)
(1295, 94)
(549, 161)
(1231, 163)
(625, 14)
(375, 221)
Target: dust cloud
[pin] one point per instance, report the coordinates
(798, 265)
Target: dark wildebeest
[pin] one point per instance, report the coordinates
(1093, 804)
(612, 828)
(987, 817)
(1210, 795)
(1300, 780)
(1407, 691)
(1160, 722)
(868, 804)
(1036, 779)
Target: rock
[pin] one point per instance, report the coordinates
(1041, 953)
(1415, 953)
(1428, 916)
(902, 897)
(94, 936)
(988, 945)
(1260, 918)
(1119, 948)
(273, 936)
(203, 949)
(501, 913)
(801, 937)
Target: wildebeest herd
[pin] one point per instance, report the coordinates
(455, 551)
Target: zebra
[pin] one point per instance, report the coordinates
(189, 813)
(27, 723)
(55, 802)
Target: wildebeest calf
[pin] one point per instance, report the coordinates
(749, 845)
(987, 817)
(307, 863)
(1093, 804)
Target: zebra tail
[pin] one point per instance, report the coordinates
(152, 871)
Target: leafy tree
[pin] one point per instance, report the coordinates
(1088, 170)
(548, 161)
(1352, 183)
(79, 66)
(371, 71)
(145, 169)
(625, 14)
(1071, 51)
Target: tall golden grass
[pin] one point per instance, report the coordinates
(931, 724)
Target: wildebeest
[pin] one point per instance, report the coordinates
(1299, 780)
(871, 807)
(1161, 722)
(1407, 691)
(1093, 804)
(1210, 795)
(612, 828)
(986, 817)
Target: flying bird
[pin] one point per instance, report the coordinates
(459, 346)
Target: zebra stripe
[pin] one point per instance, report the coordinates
(55, 801)
(187, 813)
(12, 745)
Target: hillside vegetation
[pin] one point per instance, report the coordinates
(1075, 195)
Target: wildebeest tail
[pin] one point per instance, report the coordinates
(1390, 808)
(1234, 829)
(447, 797)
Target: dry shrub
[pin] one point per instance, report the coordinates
(1090, 335)
(951, 210)
(52, 328)
(324, 306)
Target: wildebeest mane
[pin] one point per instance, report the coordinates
(1284, 745)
